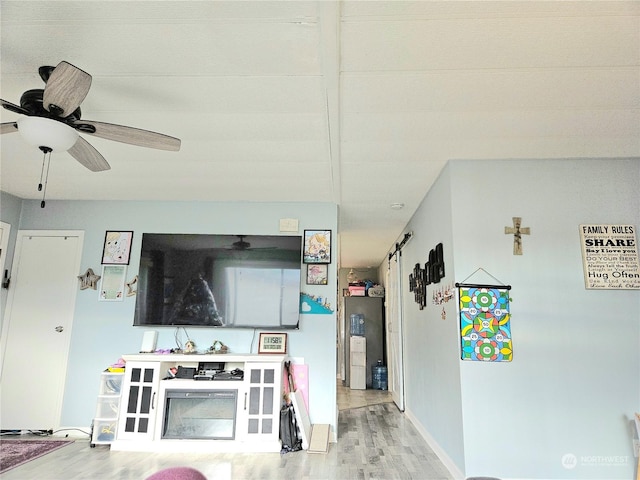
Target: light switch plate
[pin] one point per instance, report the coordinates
(288, 224)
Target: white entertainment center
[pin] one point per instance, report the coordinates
(161, 414)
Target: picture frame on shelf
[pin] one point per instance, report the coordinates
(272, 343)
(117, 247)
(317, 274)
(317, 246)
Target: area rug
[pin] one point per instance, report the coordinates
(18, 452)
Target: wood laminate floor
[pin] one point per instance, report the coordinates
(375, 441)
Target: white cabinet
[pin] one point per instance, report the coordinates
(262, 407)
(148, 397)
(105, 422)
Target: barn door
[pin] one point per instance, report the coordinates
(394, 332)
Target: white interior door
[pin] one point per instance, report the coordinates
(394, 333)
(37, 328)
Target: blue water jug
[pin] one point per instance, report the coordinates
(379, 376)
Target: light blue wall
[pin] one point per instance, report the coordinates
(432, 372)
(102, 331)
(574, 382)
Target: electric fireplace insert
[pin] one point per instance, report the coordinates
(200, 414)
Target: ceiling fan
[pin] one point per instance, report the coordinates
(242, 245)
(52, 120)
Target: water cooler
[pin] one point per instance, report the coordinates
(364, 346)
(357, 352)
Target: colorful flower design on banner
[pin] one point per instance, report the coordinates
(484, 324)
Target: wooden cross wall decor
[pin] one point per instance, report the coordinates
(517, 232)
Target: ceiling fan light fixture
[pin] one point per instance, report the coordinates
(44, 132)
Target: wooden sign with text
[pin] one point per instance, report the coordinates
(610, 257)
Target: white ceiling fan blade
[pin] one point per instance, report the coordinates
(130, 135)
(88, 156)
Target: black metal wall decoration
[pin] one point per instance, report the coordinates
(432, 272)
(418, 285)
(435, 265)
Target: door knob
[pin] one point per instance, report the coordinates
(59, 328)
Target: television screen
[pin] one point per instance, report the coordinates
(209, 280)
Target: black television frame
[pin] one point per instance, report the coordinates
(219, 281)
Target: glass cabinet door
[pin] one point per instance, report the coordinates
(139, 401)
(263, 408)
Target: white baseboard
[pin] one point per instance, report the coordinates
(444, 458)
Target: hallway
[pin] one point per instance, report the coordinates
(377, 441)
(348, 398)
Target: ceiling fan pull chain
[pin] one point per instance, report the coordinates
(44, 156)
(46, 178)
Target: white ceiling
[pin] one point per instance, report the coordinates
(360, 103)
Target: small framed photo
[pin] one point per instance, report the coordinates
(317, 274)
(117, 248)
(317, 246)
(272, 343)
(112, 283)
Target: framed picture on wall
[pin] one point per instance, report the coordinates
(117, 248)
(112, 283)
(317, 274)
(317, 246)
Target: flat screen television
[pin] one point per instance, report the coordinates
(210, 280)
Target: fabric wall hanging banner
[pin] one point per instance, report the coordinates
(485, 330)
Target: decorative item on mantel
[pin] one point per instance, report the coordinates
(218, 347)
(190, 347)
(272, 343)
